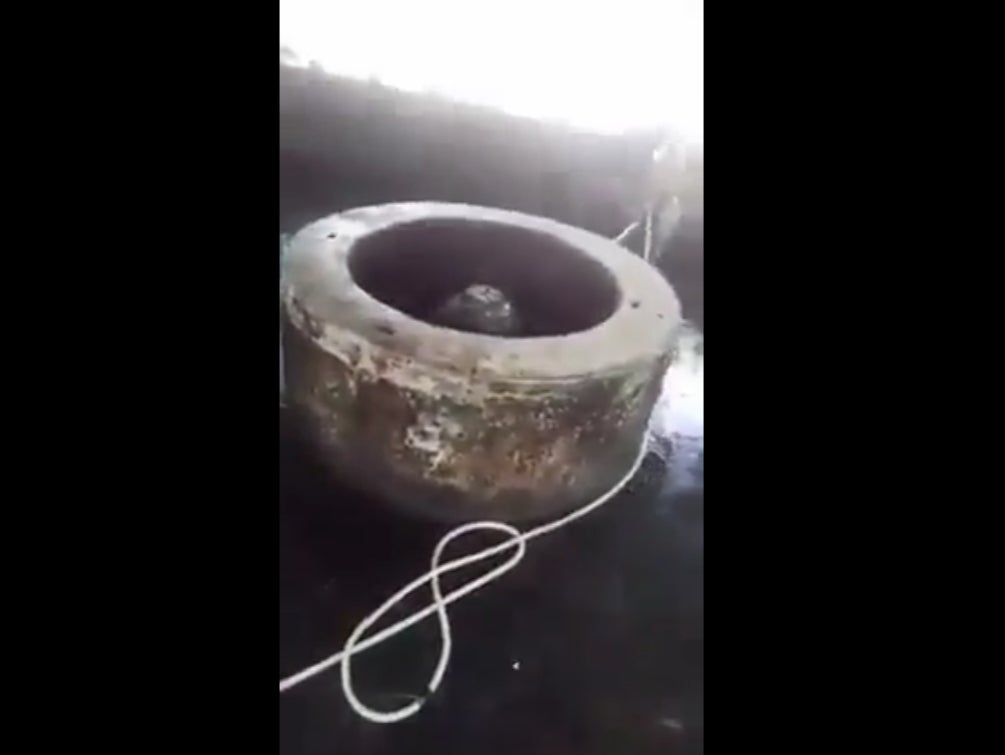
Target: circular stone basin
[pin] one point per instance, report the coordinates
(533, 402)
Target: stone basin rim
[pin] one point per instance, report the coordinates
(324, 301)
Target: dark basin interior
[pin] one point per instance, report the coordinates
(416, 267)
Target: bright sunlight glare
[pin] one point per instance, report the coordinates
(602, 65)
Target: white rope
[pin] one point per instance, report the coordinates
(647, 224)
(647, 246)
(620, 238)
(517, 541)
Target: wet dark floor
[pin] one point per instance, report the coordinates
(592, 644)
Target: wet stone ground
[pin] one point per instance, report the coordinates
(592, 644)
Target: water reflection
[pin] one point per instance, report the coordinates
(677, 426)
